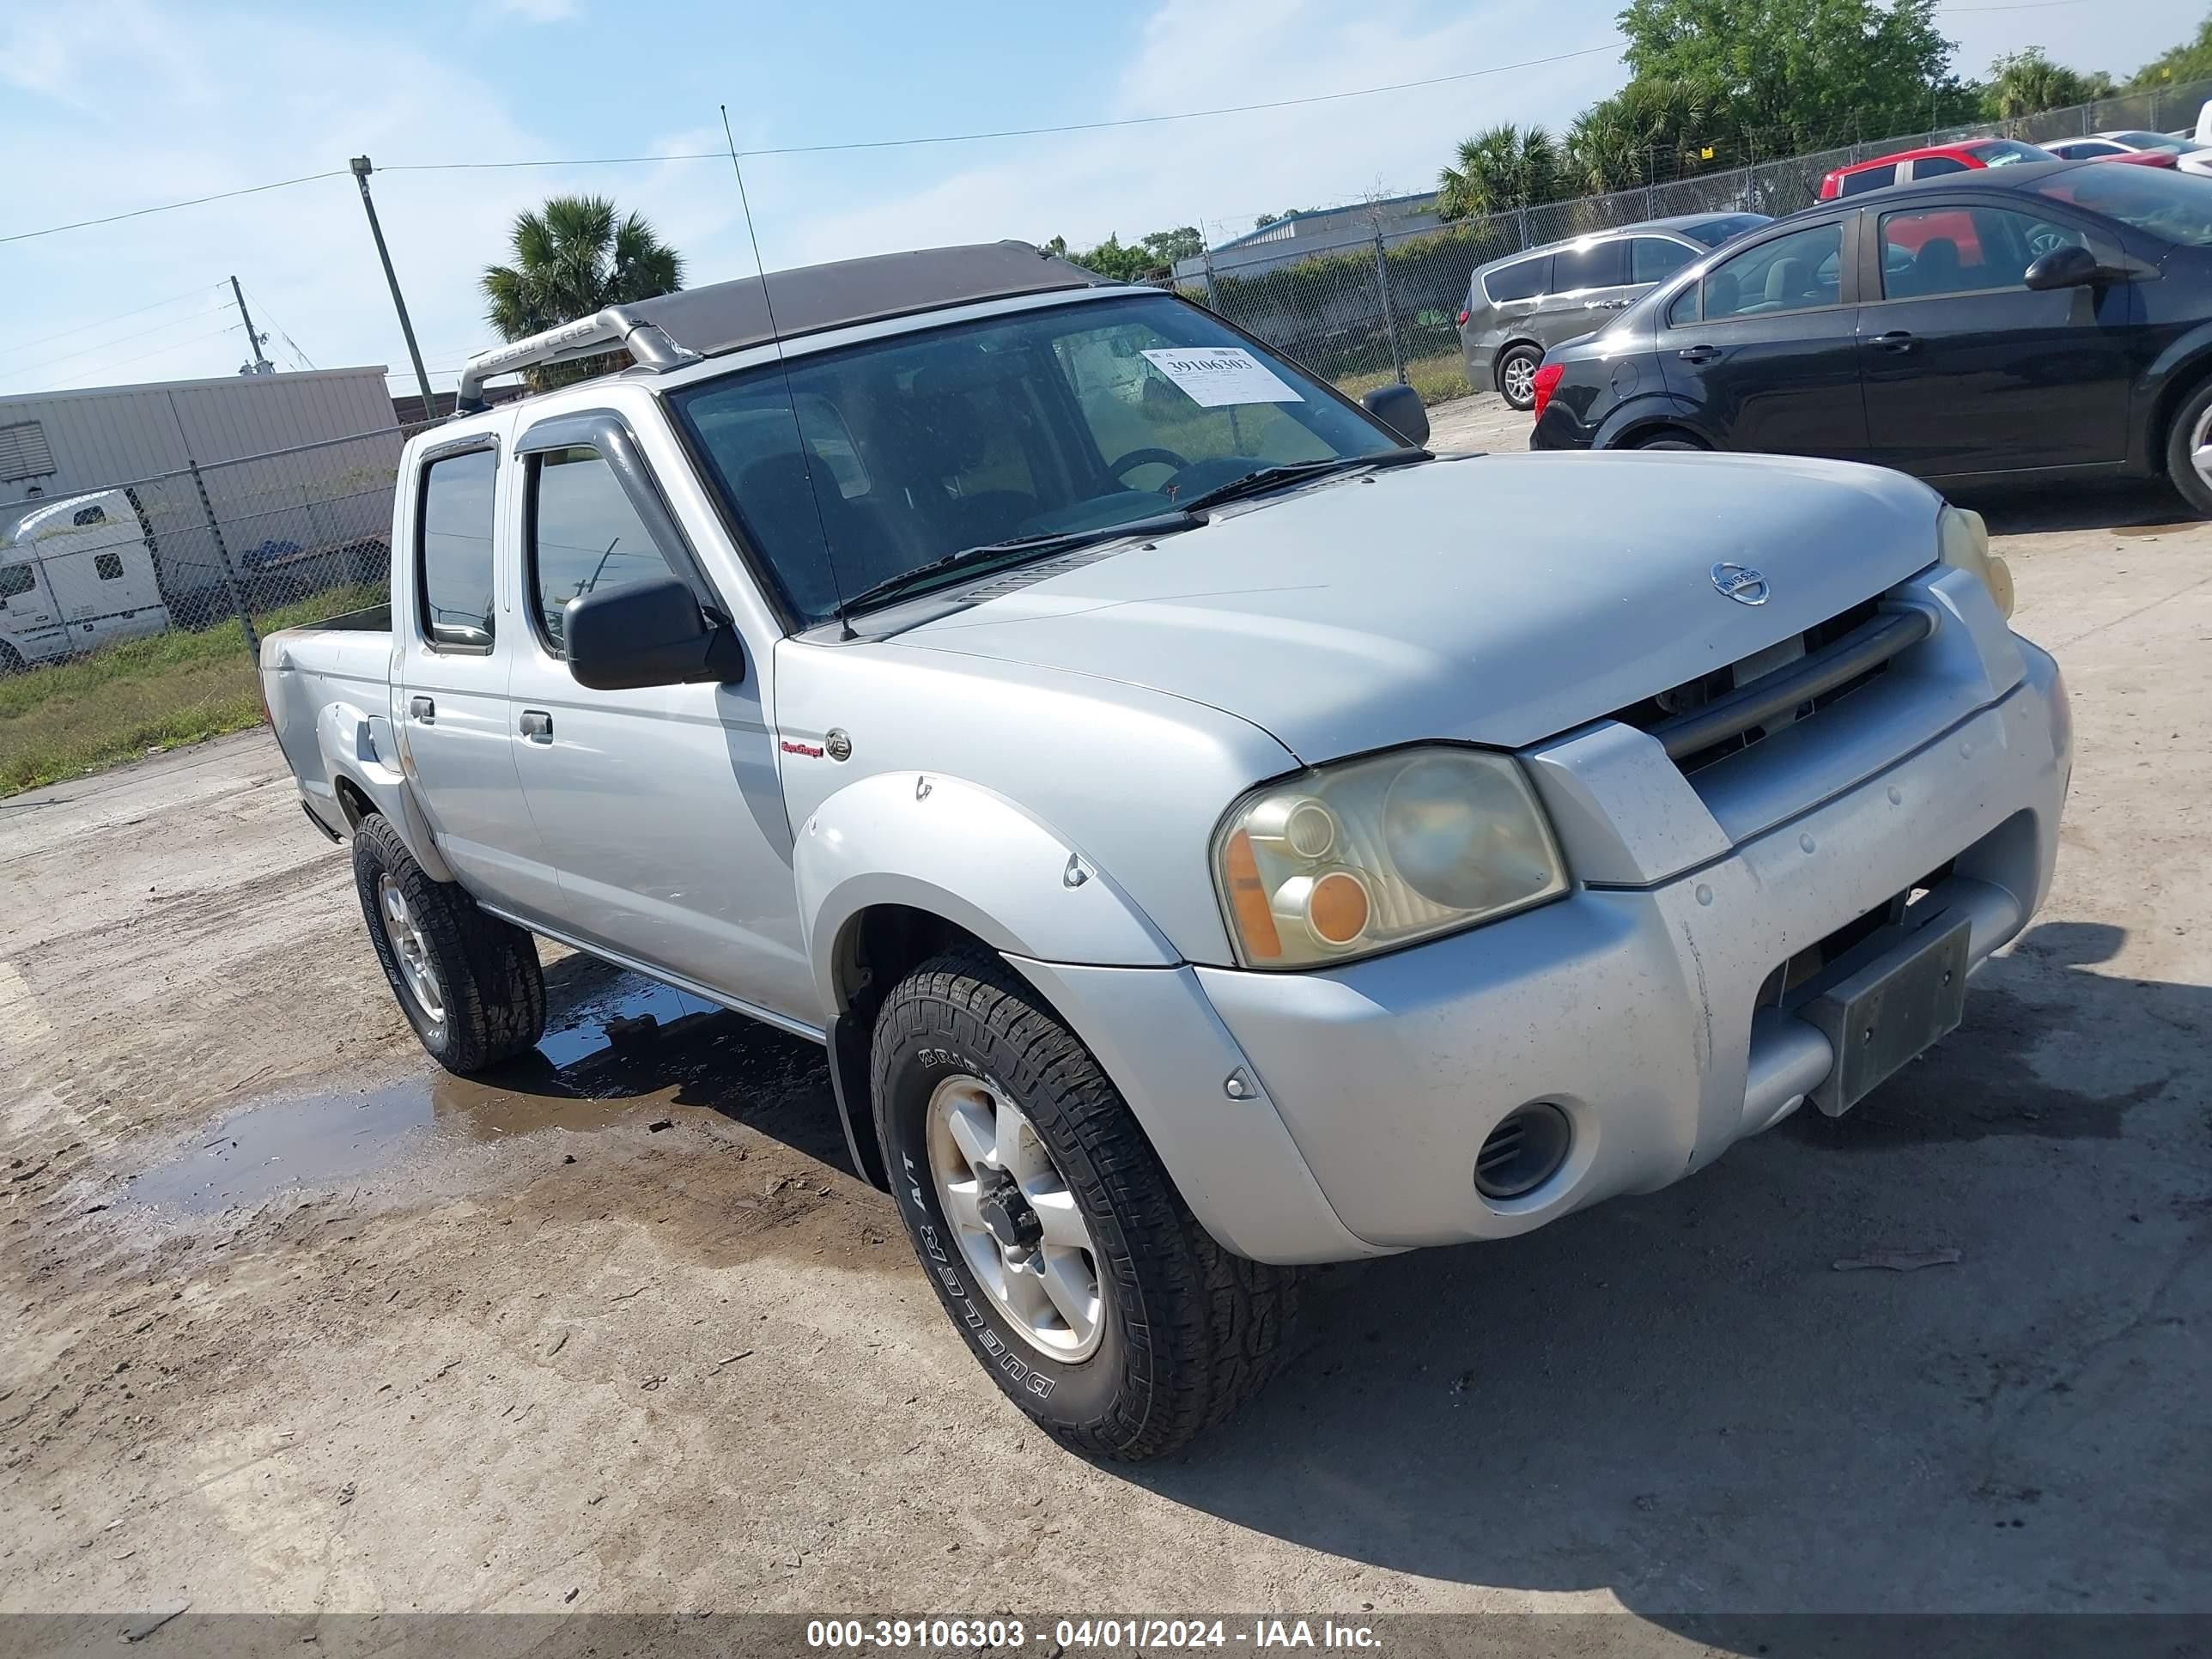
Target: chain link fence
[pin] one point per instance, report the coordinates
(1384, 306)
(240, 540)
(130, 614)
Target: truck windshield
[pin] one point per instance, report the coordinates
(1068, 419)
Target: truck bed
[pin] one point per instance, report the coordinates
(342, 666)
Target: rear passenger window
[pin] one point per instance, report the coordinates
(1523, 279)
(1935, 166)
(1595, 265)
(1684, 310)
(1653, 258)
(1872, 178)
(108, 567)
(454, 568)
(585, 537)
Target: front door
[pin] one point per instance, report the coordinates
(1762, 347)
(456, 651)
(662, 807)
(30, 622)
(1968, 370)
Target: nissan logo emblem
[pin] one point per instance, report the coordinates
(1741, 583)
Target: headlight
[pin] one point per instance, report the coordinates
(1962, 541)
(1367, 854)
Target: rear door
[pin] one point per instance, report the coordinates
(455, 645)
(1967, 370)
(1590, 283)
(1764, 347)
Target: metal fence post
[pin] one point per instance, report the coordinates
(1389, 313)
(1522, 214)
(229, 572)
(1213, 293)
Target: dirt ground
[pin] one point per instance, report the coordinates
(295, 1323)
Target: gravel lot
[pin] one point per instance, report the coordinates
(292, 1323)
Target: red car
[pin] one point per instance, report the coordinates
(1909, 164)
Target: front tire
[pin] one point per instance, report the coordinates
(1517, 375)
(469, 983)
(2189, 450)
(1049, 1228)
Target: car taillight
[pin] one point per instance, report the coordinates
(1462, 320)
(1546, 383)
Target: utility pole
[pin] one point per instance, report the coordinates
(361, 172)
(255, 362)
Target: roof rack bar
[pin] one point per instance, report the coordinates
(587, 336)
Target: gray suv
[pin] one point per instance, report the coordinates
(1519, 307)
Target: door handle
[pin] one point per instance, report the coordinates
(1597, 305)
(1896, 340)
(1699, 353)
(424, 710)
(537, 726)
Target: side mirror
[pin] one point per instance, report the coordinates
(1399, 408)
(650, 633)
(2071, 266)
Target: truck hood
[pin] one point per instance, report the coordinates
(1495, 598)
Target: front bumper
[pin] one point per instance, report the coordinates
(1634, 1005)
(1635, 1009)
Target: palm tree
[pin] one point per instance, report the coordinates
(573, 257)
(1498, 170)
(2026, 82)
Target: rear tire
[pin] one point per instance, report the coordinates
(2190, 433)
(469, 983)
(1517, 375)
(1669, 441)
(1169, 1333)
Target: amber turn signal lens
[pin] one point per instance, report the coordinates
(1248, 899)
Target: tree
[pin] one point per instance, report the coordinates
(1266, 219)
(1168, 246)
(1799, 74)
(2026, 82)
(1649, 130)
(1497, 171)
(574, 256)
(2190, 60)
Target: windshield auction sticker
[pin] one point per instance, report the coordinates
(1217, 375)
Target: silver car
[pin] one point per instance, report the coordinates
(1519, 307)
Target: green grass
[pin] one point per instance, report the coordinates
(1439, 379)
(144, 694)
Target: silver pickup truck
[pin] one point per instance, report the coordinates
(1209, 832)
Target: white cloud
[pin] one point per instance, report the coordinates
(536, 11)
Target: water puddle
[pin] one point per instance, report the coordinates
(618, 1050)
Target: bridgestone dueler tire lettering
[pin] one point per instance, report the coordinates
(494, 987)
(1191, 1330)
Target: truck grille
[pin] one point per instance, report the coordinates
(1727, 710)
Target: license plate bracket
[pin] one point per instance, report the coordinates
(1889, 1004)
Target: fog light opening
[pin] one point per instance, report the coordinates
(1523, 1152)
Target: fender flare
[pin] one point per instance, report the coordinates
(2178, 369)
(966, 854)
(353, 744)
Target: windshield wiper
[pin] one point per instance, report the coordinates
(1014, 550)
(1269, 477)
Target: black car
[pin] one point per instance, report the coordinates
(2050, 320)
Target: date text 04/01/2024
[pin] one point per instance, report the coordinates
(1123, 1633)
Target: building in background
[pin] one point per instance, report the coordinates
(1302, 235)
(294, 475)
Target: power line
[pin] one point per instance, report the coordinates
(1019, 132)
(171, 207)
(120, 339)
(121, 316)
(174, 345)
(290, 345)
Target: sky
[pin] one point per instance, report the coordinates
(107, 106)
